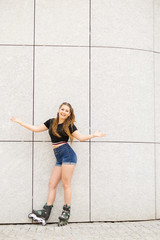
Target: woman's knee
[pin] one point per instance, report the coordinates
(52, 185)
(66, 184)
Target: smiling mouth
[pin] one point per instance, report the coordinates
(63, 115)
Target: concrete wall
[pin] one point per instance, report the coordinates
(103, 57)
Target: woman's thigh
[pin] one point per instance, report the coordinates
(67, 172)
(55, 176)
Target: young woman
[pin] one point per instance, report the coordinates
(61, 129)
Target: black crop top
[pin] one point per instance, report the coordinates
(64, 137)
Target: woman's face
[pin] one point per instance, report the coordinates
(64, 112)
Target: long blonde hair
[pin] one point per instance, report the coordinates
(69, 121)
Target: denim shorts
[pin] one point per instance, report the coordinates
(65, 155)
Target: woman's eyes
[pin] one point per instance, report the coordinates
(64, 110)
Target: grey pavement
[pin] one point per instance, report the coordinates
(145, 230)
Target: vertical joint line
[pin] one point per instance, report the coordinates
(33, 88)
(90, 111)
(154, 112)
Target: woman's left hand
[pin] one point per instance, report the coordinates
(99, 134)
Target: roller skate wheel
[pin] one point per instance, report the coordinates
(30, 215)
(62, 223)
(59, 224)
(40, 220)
(43, 223)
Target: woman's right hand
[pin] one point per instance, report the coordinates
(17, 120)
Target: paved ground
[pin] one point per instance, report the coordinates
(146, 230)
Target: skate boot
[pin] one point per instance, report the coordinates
(41, 216)
(63, 219)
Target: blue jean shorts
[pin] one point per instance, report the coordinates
(65, 155)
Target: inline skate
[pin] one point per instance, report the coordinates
(63, 219)
(41, 216)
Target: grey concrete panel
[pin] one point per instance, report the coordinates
(16, 91)
(157, 181)
(156, 25)
(157, 96)
(62, 22)
(61, 76)
(122, 23)
(123, 94)
(16, 182)
(122, 182)
(43, 167)
(17, 21)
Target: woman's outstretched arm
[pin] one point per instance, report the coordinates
(32, 128)
(82, 137)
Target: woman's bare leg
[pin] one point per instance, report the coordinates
(54, 180)
(67, 172)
